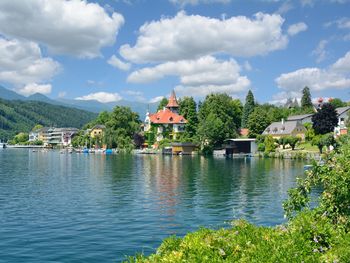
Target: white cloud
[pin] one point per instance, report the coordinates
(336, 76)
(296, 28)
(247, 66)
(33, 88)
(117, 63)
(205, 75)
(196, 2)
(156, 99)
(103, 97)
(178, 38)
(320, 51)
(74, 27)
(285, 7)
(21, 62)
(341, 23)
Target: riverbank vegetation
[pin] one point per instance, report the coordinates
(311, 234)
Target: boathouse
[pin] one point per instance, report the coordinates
(240, 146)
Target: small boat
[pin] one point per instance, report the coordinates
(108, 151)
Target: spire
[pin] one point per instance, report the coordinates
(172, 101)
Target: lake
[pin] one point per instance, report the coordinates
(95, 208)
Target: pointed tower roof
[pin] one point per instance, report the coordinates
(172, 101)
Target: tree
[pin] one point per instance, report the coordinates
(325, 119)
(188, 109)
(292, 141)
(306, 98)
(310, 132)
(269, 143)
(223, 115)
(257, 122)
(248, 108)
(337, 103)
(138, 140)
(162, 104)
(37, 127)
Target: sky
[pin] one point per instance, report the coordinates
(140, 50)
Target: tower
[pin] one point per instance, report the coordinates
(172, 103)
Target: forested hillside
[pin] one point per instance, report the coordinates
(19, 116)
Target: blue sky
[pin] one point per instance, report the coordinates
(140, 50)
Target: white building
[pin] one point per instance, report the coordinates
(342, 118)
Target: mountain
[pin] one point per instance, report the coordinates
(21, 116)
(89, 105)
(10, 95)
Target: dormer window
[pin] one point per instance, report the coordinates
(171, 119)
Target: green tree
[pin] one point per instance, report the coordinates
(292, 141)
(257, 122)
(325, 119)
(323, 140)
(310, 132)
(222, 115)
(188, 108)
(248, 108)
(337, 103)
(162, 104)
(306, 98)
(269, 143)
(21, 138)
(37, 127)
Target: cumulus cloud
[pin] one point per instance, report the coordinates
(196, 2)
(21, 62)
(33, 88)
(178, 38)
(336, 76)
(76, 27)
(204, 75)
(117, 63)
(320, 51)
(103, 97)
(296, 28)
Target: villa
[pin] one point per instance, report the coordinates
(53, 136)
(167, 123)
(285, 128)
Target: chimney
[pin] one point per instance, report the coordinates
(282, 121)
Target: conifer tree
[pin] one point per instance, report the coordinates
(248, 108)
(306, 98)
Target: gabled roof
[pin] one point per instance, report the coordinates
(172, 103)
(283, 128)
(341, 110)
(166, 116)
(298, 117)
(99, 127)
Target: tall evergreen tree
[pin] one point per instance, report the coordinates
(188, 109)
(306, 98)
(325, 119)
(248, 108)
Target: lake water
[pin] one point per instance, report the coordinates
(94, 208)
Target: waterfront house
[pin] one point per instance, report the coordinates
(97, 131)
(167, 123)
(342, 118)
(183, 148)
(55, 136)
(240, 146)
(285, 128)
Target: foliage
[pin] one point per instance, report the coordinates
(292, 141)
(257, 122)
(37, 127)
(20, 138)
(138, 140)
(162, 104)
(269, 143)
(325, 119)
(22, 116)
(347, 122)
(324, 140)
(333, 177)
(219, 118)
(248, 108)
(337, 103)
(306, 101)
(188, 109)
(310, 132)
(306, 239)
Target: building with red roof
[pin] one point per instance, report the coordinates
(166, 123)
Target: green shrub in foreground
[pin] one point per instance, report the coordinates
(307, 238)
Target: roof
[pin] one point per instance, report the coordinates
(172, 103)
(298, 117)
(242, 140)
(283, 129)
(99, 127)
(341, 110)
(166, 116)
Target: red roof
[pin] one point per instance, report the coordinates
(166, 116)
(172, 101)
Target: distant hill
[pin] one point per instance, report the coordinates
(88, 105)
(21, 116)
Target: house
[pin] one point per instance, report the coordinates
(240, 146)
(183, 148)
(305, 118)
(167, 123)
(285, 128)
(342, 118)
(55, 136)
(97, 131)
